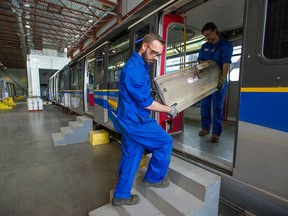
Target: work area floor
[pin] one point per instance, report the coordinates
(38, 179)
(219, 153)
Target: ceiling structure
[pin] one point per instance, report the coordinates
(52, 24)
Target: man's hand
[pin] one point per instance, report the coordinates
(221, 82)
(173, 113)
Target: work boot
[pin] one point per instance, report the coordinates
(162, 184)
(214, 138)
(133, 200)
(203, 132)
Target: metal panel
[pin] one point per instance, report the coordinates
(188, 86)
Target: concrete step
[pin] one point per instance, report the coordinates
(57, 138)
(76, 132)
(74, 125)
(192, 191)
(201, 183)
(197, 181)
(143, 208)
(172, 200)
(66, 131)
(84, 120)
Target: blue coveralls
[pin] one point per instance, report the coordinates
(221, 52)
(139, 131)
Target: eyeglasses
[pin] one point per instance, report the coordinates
(208, 33)
(154, 52)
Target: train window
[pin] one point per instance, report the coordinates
(99, 72)
(90, 68)
(139, 36)
(76, 76)
(61, 80)
(175, 48)
(179, 54)
(235, 65)
(118, 54)
(276, 30)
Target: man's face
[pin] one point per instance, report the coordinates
(152, 51)
(211, 36)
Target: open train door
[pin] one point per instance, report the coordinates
(172, 29)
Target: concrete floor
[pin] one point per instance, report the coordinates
(38, 179)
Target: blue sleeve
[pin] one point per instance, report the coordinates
(227, 51)
(200, 55)
(137, 83)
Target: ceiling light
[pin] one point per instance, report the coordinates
(90, 20)
(27, 26)
(26, 5)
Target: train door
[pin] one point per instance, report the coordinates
(100, 85)
(60, 84)
(118, 55)
(173, 34)
(76, 92)
(57, 77)
(67, 86)
(88, 90)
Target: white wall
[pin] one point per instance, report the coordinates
(36, 62)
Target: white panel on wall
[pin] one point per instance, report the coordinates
(36, 62)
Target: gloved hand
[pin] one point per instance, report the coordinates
(173, 113)
(221, 82)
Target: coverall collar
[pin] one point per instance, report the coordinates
(141, 61)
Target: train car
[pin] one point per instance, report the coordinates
(252, 154)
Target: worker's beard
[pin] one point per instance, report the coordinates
(146, 59)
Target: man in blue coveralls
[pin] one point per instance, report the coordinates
(139, 131)
(220, 50)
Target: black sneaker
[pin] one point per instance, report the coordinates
(203, 132)
(133, 200)
(162, 184)
(214, 138)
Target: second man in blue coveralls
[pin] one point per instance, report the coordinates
(139, 131)
(220, 50)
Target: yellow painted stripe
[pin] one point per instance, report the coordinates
(71, 90)
(113, 103)
(107, 90)
(264, 89)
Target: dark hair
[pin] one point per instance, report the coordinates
(151, 37)
(210, 26)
